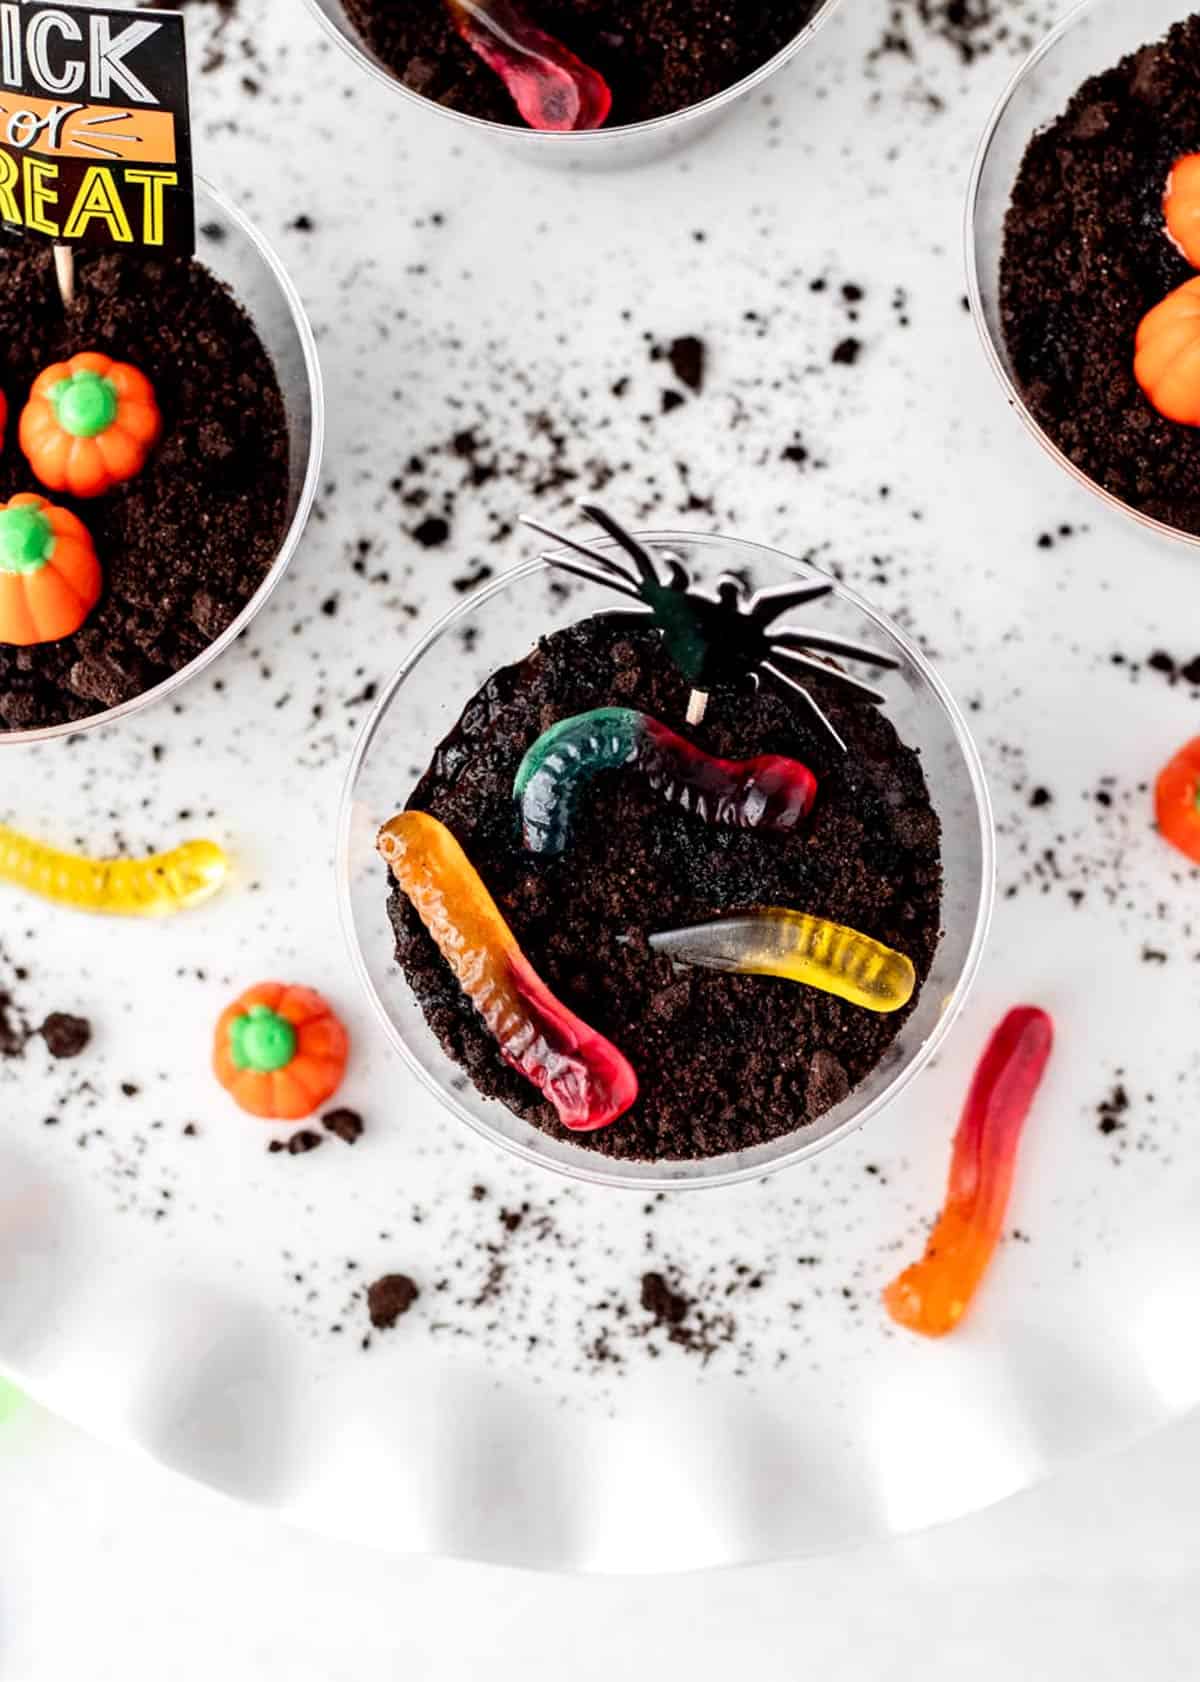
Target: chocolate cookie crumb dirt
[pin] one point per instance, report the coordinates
(687, 1324)
(687, 357)
(656, 55)
(971, 28)
(186, 543)
(668, 1307)
(346, 1124)
(65, 1035)
(390, 1297)
(298, 1144)
(1086, 255)
(1113, 1110)
(724, 1062)
(13, 1032)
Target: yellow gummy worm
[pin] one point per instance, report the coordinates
(149, 887)
(811, 950)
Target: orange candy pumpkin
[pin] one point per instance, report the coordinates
(89, 423)
(280, 1051)
(1181, 207)
(50, 579)
(1167, 361)
(1177, 800)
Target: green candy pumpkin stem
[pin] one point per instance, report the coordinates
(85, 404)
(26, 539)
(262, 1040)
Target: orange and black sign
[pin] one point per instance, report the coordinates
(95, 140)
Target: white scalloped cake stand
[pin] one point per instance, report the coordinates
(180, 1291)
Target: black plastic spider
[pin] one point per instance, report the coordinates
(725, 637)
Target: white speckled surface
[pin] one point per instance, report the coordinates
(183, 1291)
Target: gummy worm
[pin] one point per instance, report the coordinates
(811, 950)
(551, 88)
(933, 1294)
(769, 792)
(149, 887)
(585, 1077)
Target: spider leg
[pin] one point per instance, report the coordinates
(766, 605)
(592, 574)
(730, 592)
(677, 574)
(798, 689)
(637, 552)
(792, 636)
(861, 691)
(584, 549)
(632, 618)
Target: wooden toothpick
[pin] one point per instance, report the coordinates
(64, 271)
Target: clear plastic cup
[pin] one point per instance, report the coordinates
(422, 703)
(237, 254)
(603, 148)
(1092, 38)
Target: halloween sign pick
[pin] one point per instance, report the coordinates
(95, 139)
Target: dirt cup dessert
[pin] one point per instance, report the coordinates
(671, 888)
(1097, 303)
(153, 476)
(561, 67)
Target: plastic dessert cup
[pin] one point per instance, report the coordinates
(603, 148)
(422, 703)
(1092, 38)
(236, 253)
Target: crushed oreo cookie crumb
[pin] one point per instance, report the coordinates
(66, 1035)
(390, 1297)
(346, 1124)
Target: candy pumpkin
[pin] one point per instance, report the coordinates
(1177, 801)
(279, 1051)
(89, 423)
(1167, 360)
(50, 578)
(1181, 206)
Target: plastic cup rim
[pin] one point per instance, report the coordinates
(688, 1174)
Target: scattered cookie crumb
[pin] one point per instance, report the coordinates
(668, 1307)
(346, 1124)
(687, 358)
(298, 1144)
(390, 1297)
(66, 1035)
(13, 1031)
(1112, 1110)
